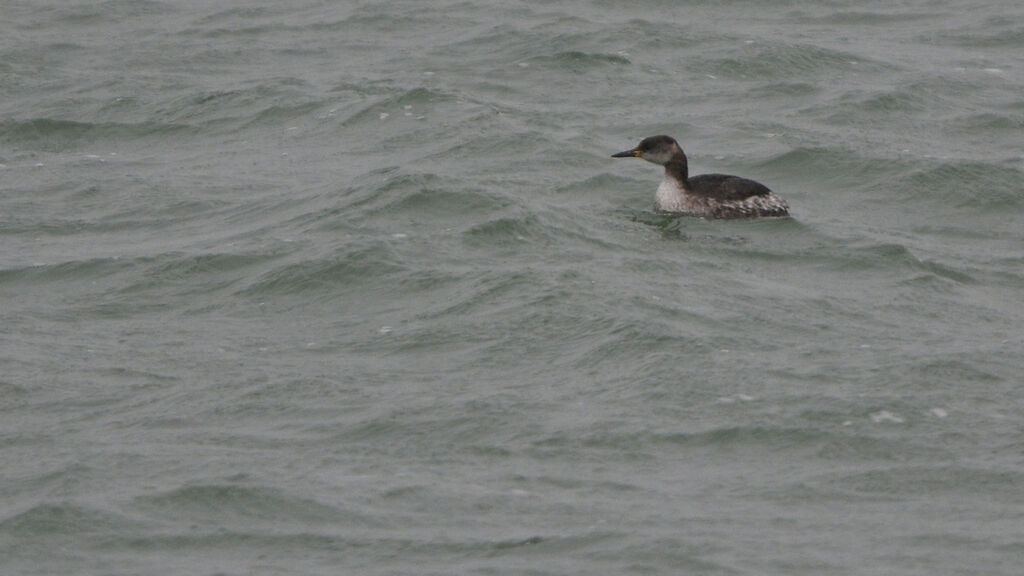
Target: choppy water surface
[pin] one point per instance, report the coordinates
(355, 288)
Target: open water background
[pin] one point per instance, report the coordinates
(326, 287)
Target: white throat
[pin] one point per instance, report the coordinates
(671, 196)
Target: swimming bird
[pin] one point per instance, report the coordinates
(710, 195)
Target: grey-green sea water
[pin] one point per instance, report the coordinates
(323, 287)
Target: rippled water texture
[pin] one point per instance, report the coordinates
(355, 288)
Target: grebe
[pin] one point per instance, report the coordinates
(710, 195)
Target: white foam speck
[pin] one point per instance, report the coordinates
(407, 107)
(399, 235)
(939, 412)
(993, 70)
(847, 423)
(733, 399)
(384, 115)
(385, 329)
(885, 416)
(40, 165)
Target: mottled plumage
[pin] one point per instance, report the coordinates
(710, 195)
